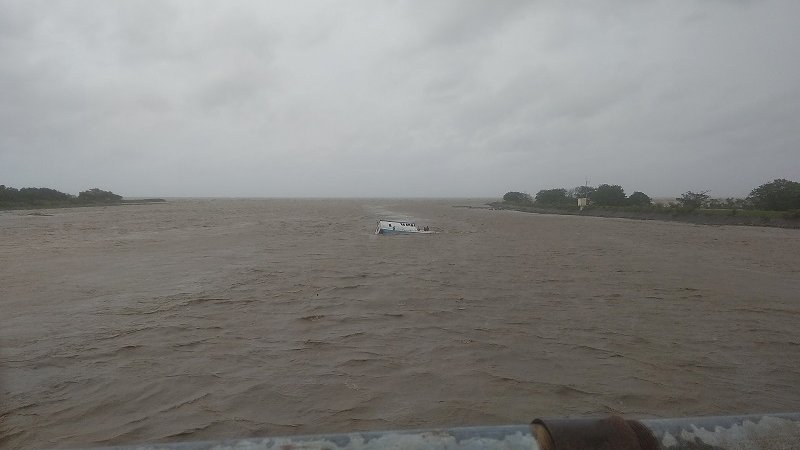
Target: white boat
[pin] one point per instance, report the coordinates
(400, 226)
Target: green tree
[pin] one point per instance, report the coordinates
(583, 191)
(553, 197)
(639, 199)
(519, 198)
(609, 195)
(693, 200)
(96, 195)
(8, 194)
(45, 194)
(778, 195)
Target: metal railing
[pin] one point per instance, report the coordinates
(762, 432)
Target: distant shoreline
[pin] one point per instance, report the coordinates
(699, 217)
(143, 201)
(66, 205)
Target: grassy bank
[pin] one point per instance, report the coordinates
(749, 217)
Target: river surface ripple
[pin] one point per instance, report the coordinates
(210, 319)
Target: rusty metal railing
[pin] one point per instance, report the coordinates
(751, 432)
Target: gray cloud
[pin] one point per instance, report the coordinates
(191, 98)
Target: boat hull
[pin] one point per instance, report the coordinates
(390, 231)
(399, 227)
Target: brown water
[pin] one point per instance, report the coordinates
(231, 318)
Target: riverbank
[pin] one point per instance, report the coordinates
(777, 219)
(73, 204)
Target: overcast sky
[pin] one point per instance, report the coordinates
(398, 98)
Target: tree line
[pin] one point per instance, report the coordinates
(12, 197)
(777, 195)
(603, 195)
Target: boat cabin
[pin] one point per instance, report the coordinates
(399, 226)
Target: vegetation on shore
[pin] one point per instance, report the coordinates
(776, 203)
(27, 198)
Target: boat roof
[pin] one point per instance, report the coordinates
(396, 220)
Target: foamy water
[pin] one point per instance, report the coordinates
(209, 319)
